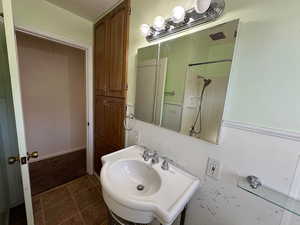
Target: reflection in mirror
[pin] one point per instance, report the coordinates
(204, 98)
(145, 83)
(184, 87)
(151, 75)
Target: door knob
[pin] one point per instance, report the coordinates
(13, 159)
(32, 155)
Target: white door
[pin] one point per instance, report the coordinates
(150, 84)
(22, 158)
(146, 74)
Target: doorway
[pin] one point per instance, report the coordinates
(62, 161)
(52, 79)
(53, 87)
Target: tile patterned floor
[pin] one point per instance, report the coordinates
(76, 203)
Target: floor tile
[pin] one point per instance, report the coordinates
(88, 197)
(105, 222)
(95, 214)
(79, 202)
(36, 205)
(76, 220)
(80, 184)
(55, 197)
(60, 212)
(94, 179)
(38, 218)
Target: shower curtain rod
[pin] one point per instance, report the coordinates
(210, 62)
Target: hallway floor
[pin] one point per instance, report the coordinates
(78, 202)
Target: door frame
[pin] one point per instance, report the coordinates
(89, 84)
(10, 29)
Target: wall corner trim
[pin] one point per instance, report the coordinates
(294, 136)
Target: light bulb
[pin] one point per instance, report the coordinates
(145, 29)
(178, 14)
(191, 20)
(201, 6)
(159, 23)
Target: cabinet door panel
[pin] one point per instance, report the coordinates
(118, 49)
(111, 43)
(101, 57)
(109, 129)
(99, 131)
(114, 119)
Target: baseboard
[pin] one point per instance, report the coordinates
(43, 157)
(295, 136)
(52, 172)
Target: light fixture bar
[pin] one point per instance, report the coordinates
(192, 19)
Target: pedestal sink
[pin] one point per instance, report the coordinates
(136, 177)
(138, 191)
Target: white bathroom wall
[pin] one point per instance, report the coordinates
(263, 92)
(241, 153)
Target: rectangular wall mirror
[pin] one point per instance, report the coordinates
(181, 84)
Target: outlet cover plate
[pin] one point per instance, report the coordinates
(213, 168)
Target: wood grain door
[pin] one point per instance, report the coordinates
(109, 129)
(114, 113)
(118, 38)
(101, 57)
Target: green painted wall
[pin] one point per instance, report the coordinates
(264, 83)
(42, 16)
(148, 53)
(189, 49)
(178, 53)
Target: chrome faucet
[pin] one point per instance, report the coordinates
(165, 164)
(153, 155)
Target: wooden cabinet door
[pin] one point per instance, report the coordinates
(109, 129)
(118, 38)
(99, 131)
(114, 113)
(101, 57)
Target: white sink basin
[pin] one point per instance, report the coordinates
(131, 174)
(139, 192)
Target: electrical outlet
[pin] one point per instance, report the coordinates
(213, 168)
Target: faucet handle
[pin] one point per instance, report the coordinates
(165, 164)
(147, 154)
(155, 157)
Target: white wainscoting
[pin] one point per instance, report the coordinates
(295, 136)
(271, 154)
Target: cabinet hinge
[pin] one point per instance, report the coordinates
(129, 11)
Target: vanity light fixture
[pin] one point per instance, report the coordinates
(178, 15)
(146, 30)
(201, 6)
(204, 11)
(159, 23)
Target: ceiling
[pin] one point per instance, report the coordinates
(89, 9)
